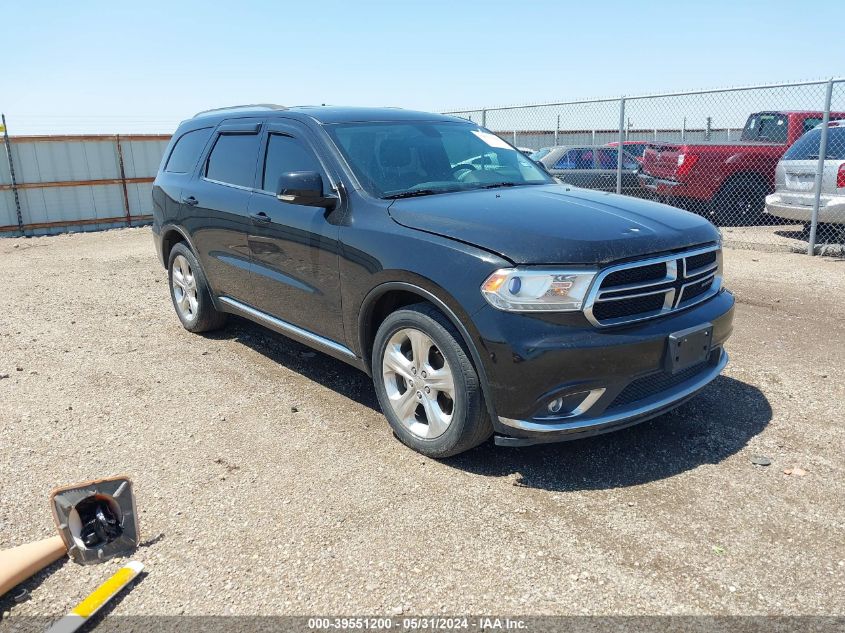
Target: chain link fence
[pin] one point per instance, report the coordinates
(764, 163)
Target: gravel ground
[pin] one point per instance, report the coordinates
(268, 482)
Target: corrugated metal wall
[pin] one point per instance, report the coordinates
(72, 183)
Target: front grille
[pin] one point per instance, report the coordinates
(642, 290)
(623, 307)
(653, 384)
(654, 272)
(699, 261)
(696, 290)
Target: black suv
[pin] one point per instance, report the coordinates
(482, 297)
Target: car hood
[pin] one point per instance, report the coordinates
(555, 224)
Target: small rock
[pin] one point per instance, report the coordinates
(18, 368)
(33, 373)
(761, 460)
(397, 610)
(2, 376)
(795, 471)
(294, 410)
(732, 589)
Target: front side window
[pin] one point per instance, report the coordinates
(187, 150)
(810, 123)
(576, 159)
(394, 159)
(232, 161)
(285, 154)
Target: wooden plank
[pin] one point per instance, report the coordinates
(13, 228)
(76, 183)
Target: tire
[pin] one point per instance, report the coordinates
(740, 202)
(413, 389)
(190, 293)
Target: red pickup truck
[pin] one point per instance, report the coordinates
(729, 181)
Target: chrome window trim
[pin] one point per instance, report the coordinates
(227, 184)
(672, 294)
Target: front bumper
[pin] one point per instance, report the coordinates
(619, 372)
(618, 417)
(799, 207)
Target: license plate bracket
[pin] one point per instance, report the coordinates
(687, 348)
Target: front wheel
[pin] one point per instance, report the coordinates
(426, 385)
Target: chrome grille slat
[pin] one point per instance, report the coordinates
(681, 286)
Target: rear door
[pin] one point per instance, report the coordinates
(216, 204)
(294, 248)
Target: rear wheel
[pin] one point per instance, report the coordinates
(426, 385)
(190, 292)
(740, 202)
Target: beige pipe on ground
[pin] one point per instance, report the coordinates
(21, 562)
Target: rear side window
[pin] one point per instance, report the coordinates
(187, 150)
(766, 127)
(807, 147)
(635, 149)
(233, 159)
(286, 154)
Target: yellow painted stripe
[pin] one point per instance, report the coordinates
(104, 592)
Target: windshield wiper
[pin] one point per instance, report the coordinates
(414, 193)
(496, 185)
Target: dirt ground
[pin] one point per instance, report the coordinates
(268, 482)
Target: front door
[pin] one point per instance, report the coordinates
(294, 248)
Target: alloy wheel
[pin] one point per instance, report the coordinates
(419, 383)
(184, 285)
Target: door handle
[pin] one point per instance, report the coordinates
(190, 201)
(261, 217)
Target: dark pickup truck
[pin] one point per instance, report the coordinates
(726, 180)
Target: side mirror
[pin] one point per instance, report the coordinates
(305, 188)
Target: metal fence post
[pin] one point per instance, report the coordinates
(12, 173)
(484, 118)
(814, 222)
(817, 187)
(123, 180)
(621, 141)
(557, 130)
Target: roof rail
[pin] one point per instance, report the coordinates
(250, 106)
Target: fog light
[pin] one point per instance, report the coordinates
(556, 405)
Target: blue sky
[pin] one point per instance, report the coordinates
(143, 66)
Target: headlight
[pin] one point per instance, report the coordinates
(536, 290)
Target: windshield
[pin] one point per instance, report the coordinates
(767, 127)
(422, 158)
